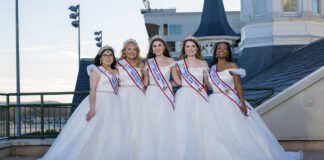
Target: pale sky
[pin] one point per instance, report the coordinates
(48, 42)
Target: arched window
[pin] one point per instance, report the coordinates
(290, 5)
(315, 6)
(259, 7)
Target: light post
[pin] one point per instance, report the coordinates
(98, 38)
(17, 71)
(76, 23)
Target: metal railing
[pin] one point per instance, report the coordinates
(38, 120)
(46, 120)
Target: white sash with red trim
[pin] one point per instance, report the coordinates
(111, 77)
(224, 88)
(191, 80)
(160, 80)
(133, 74)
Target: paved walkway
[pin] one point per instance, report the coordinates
(308, 155)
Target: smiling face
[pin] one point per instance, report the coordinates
(131, 51)
(158, 48)
(190, 48)
(222, 50)
(107, 58)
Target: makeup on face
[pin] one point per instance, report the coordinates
(158, 47)
(107, 58)
(131, 51)
(190, 48)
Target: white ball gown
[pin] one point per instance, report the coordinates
(247, 137)
(162, 115)
(195, 128)
(138, 139)
(98, 139)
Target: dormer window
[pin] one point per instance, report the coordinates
(315, 7)
(259, 7)
(290, 5)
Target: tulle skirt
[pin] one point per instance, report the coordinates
(100, 138)
(138, 141)
(247, 137)
(195, 128)
(162, 117)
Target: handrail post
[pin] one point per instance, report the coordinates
(42, 115)
(8, 117)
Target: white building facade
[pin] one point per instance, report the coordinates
(175, 26)
(281, 22)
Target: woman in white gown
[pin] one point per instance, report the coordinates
(196, 133)
(242, 129)
(138, 140)
(160, 97)
(94, 129)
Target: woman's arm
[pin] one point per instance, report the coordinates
(176, 76)
(238, 87)
(146, 79)
(94, 79)
(205, 74)
(206, 82)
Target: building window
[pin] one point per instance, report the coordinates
(315, 6)
(178, 46)
(165, 29)
(290, 5)
(260, 7)
(171, 45)
(174, 29)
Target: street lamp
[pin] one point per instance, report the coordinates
(98, 38)
(17, 72)
(76, 23)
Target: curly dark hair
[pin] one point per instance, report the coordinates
(166, 51)
(96, 60)
(228, 58)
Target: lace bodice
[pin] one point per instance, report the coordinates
(124, 78)
(198, 73)
(227, 77)
(104, 83)
(165, 70)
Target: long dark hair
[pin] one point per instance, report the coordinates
(228, 58)
(96, 60)
(166, 51)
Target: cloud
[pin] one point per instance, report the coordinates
(68, 53)
(35, 48)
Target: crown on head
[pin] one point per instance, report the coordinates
(130, 40)
(224, 40)
(191, 38)
(156, 37)
(106, 47)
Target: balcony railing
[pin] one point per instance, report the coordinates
(46, 120)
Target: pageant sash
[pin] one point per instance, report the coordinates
(225, 88)
(133, 74)
(111, 77)
(160, 80)
(191, 80)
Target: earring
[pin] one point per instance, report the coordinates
(100, 61)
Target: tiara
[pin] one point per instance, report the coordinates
(155, 37)
(106, 47)
(224, 40)
(191, 38)
(130, 40)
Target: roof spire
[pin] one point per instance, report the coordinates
(213, 20)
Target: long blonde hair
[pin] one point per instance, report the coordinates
(138, 58)
(183, 54)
